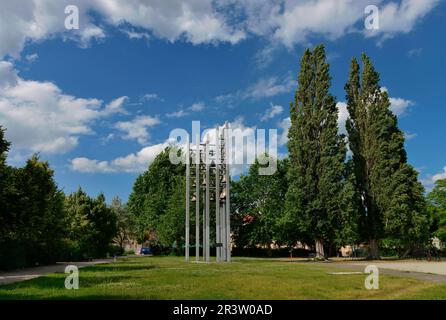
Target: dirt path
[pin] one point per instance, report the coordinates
(30, 273)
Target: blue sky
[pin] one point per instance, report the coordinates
(98, 103)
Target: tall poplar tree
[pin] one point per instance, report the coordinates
(317, 154)
(392, 203)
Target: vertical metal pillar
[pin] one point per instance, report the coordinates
(228, 202)
(217, 194)
(197, 198)
(223, 199)
(204, 229)
(223, 232)
(187, 199)
(208, 251)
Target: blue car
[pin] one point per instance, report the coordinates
(145, 251)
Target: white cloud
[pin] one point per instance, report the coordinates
(330, 18)
(265, 87)
(264, 57)
(88, 165)
(400, 106)
(285, 125)
(151, 96)
(409, 136)
(414, 53)
(199, 106)
(440, 176)
(205, 21)
(32, 57)
(271, 112)
(401, 17)
(196, 21)
(195, 107)
(134, 162)
(333, 19)
(137, 129)
(177, 114)
(269, 87)
(116, 106)
(342, 116)
(36, 20)
(132, 34)
(39, 117)
(429, 180)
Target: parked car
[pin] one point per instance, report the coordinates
(146, 251)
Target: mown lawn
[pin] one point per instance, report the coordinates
(244, 278)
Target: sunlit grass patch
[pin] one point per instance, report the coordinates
(245, 278)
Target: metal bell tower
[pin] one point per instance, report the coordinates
(208, 182)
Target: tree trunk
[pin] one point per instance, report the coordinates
(320, 249)
(373, 253)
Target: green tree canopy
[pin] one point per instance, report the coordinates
(152, 192)
(257, 206)
(317, 154)
(392, 203)
(125, 222)
(92, 223)
(437, 207)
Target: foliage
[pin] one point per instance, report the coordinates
(437, 208)
(392, 198)
(125, 223)
(157, 201)
(317, 154)
(257, 206)
(172, 223)
(92, 223)
(31, 215)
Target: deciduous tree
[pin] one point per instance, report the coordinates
(317, 154)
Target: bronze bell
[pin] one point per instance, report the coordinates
(223, 195)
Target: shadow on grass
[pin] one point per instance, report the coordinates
(58, 282)
(118, 267)
(26, 289)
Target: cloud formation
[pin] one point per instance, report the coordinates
(271, 112)
(41, 118)
(205, 21)
(131, 163)
(137, 129)
(183, 112)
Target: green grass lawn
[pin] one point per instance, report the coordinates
(244, 278)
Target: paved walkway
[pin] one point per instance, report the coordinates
(433, 267)
(30, 273)
(423, 270)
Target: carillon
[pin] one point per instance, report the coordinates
(207, 167)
